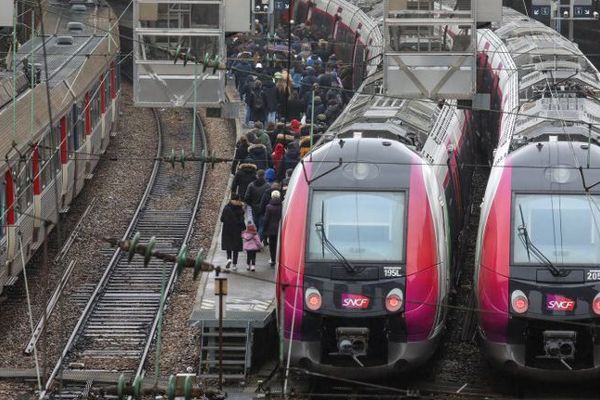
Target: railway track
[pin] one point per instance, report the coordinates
(119, 322)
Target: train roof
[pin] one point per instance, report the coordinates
(371, 113)
(361, 163)
(73, 30)
(558, 87)
(554, 165)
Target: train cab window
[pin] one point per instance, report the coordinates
(362, 226)
(564, 227)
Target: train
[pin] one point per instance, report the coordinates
(371, 226)
(50, 150)
(536, 276)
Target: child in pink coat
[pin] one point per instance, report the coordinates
(252, 245)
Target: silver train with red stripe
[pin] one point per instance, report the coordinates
(370, 227)
(45, 166)
(537, 272)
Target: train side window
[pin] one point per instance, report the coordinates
(107, 87)
(95, 105)
(24, 188)
(71, 128)
(118, 66)
(2, 207)
(48, 157)
(77, 131)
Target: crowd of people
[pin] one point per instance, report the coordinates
(286, 112)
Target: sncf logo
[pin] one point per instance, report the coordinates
(557, 302)
(355, 301)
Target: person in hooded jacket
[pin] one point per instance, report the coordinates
(232, 218)
(291, 158)
(261, 136)
(241, 153)
(245, 175)
(278, 155)
(258, 155)
(271, 222)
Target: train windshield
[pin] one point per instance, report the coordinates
(563, 228)
(358, 226)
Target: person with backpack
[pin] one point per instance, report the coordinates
(252, 245)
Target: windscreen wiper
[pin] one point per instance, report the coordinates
(332, 249)
(533, 249)
(326, 244)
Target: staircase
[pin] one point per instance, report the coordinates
(237, 352)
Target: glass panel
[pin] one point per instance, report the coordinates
(163, 48)
(184, 16)
(563, 227)
(423, 38)
(2, 207)
(363, 226)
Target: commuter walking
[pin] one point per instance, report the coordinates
(271, 223)
(252, 245)
(232, 218)
(245, 175)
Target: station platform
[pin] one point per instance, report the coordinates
(248, 323)
(251, 295)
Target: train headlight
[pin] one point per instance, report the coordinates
(394, 300)
(519, 302)
(596, 304)
(313, 299)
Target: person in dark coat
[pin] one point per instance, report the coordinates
(309, 79)
(259, 156)
(266, 197)
(253, 197)
(254, 194)
(241, 153)
(258, 102)
(245, 175)
(232, 218)
(241, 71)
(270, 92)
(271, 223)
(246, 95)
(290, 159)
(295, 107)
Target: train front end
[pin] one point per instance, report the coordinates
(363, 260)
(538, 262)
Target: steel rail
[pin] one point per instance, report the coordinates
(112, 263)
(173, 276)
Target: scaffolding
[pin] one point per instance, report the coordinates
(163, 32)
(430, 48)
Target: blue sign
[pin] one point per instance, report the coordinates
(540, 11)
(582, 11)
(281, 5)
